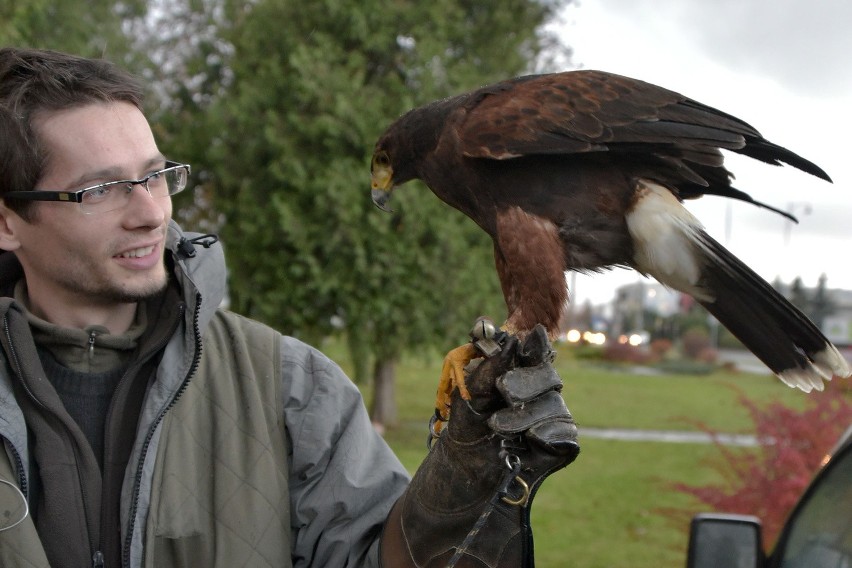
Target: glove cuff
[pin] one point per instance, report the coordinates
(454, 490)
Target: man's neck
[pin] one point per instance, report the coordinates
(117, 318)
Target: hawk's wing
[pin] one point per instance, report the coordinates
(590, 111)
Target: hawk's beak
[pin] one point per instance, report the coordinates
(380, 198)
(382, 184)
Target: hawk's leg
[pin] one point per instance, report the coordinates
(452, 377)
(484, 343)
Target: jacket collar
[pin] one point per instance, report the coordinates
(199, 272)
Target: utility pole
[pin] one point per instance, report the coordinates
(792, 208)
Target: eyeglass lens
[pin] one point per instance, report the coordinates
(111, 196)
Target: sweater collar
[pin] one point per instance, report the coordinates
(90, 350)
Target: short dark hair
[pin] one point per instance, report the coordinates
(36, 81)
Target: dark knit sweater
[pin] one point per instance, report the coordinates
(86, 397)
(84, 366)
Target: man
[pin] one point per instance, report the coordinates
(143, 426)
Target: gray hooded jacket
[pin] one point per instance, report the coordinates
(251, 448)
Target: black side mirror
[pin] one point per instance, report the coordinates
(725, 541)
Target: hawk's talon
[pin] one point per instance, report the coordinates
(436, 426)
(470, 407)
(453, 377)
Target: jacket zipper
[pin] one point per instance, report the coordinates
(23, 482)
(98, 558)
(18, 369)
(137, 479)
(22, 478)
(92, 336)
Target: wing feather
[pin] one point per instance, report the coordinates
(588, 111)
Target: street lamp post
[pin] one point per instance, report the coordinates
(792, 208)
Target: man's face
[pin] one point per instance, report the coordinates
(75, 260)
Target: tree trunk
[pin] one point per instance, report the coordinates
(359, 354)
(383, 410)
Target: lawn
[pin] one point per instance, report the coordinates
(604, 510)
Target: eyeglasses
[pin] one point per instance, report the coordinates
(106, 197)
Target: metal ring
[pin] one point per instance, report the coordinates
(522, 500)
(513, 462)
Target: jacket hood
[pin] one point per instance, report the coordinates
(199, 266)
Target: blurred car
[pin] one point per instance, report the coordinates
(817, 534)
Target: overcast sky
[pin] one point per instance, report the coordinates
(781, 65)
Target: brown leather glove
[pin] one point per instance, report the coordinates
(469, 502)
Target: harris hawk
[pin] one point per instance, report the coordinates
(587, 170)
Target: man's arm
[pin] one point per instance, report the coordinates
(343, 476)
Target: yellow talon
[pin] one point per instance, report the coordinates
(452, 377)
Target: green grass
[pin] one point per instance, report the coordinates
(607, 398)
(603, 510)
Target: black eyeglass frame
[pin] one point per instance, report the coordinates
(77, 196)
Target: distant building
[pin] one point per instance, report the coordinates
(633, 303)
(837, 325)
(833, 313)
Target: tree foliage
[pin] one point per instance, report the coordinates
(96, 28)
(816, 303)
(285, 146)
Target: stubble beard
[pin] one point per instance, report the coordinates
(155, 288)
(112, 293)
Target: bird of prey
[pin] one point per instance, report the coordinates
(587, 170)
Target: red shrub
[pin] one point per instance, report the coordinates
(694, 341)
(661, 347)
(768, 481)
(707, 355)
(625, 353)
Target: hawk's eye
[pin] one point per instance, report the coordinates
(381, 159)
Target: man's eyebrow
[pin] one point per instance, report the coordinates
(114, 173)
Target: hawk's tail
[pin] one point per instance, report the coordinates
(772, 328)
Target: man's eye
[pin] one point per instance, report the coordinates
(97, 194)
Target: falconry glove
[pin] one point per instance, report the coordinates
(469, 502)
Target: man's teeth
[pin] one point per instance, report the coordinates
(135, 253)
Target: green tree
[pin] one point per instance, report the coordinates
(799, 295)
(282, 133)
(188, 71)
(821, 304)
(93, 28)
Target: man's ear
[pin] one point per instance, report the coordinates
(9, 221)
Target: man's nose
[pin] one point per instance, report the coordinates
(143, 209)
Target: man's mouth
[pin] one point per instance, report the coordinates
(136, 253)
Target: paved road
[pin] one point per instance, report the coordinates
(682, 437)
(744, 361)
